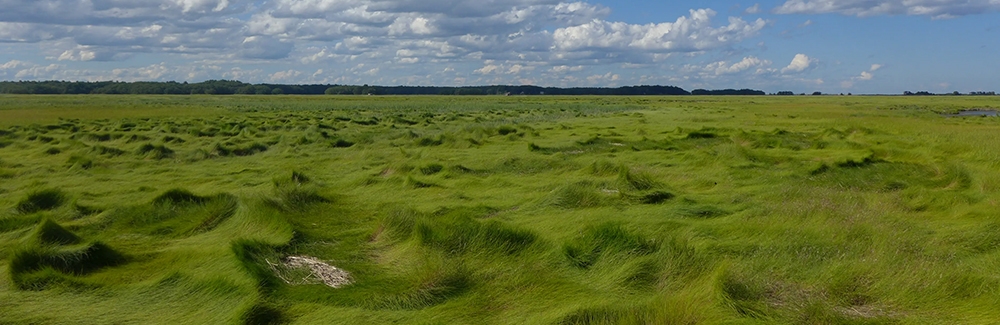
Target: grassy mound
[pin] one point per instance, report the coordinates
(49, 232)
(151, 151)
(176, 212)
(72, 260)
(580, 195)
(607, 239)
(42, 200)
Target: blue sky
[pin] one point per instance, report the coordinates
(833, 46)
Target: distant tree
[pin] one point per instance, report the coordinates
(727, 92)
(277, 91)
(817, 93)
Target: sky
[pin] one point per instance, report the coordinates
(832, 46)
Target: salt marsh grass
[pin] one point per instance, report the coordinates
(499, 210)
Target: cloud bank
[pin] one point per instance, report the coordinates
(407, 41)
(937, 9)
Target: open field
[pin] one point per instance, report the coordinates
(499, 210)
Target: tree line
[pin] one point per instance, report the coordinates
(955, 93)
(228, 87)
(728, 92)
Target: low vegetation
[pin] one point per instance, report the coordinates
(498, 210)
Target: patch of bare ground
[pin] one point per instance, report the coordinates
(303, 270)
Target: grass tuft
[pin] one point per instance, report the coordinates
(636, 179)
(431, 169)
(506, 129)
(296, 195)
(42, 200)
(74, 260)
(341, 143)
(461, 235)
(49, 232)
(607, 316)
(263, 314)
(606, 239)
(578, 195)
(655, 197)
(83, 162)
(107, 151)
(179, 197)
(432, 287)
(701, 135)
(254, 256)
(152, 151)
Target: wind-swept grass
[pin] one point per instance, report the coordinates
(499, 210)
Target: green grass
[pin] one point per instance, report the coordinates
(500, 210)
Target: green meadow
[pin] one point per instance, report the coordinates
(499, 210)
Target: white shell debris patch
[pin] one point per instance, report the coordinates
(301, 270)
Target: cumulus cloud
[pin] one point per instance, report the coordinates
(285, 76)
(864, 76)
(800, 63)
(726, 68)
(687, 34)
(753, 10)
(938, 9)
(253, 40)
(868, 75)
(21, 70)
(266, 48)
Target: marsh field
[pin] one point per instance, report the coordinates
(498, 210)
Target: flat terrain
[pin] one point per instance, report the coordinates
(499, 210)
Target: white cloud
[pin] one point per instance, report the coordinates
(265, 48)
(547, 41)
(746, 64)
(721, 68)
(864, 76)
(691, 33)
(598, 79)
(566, 68)
(938, 9)
(800, 63)
(13, 64)
(285, 76)
(753, 10)
(517, 68)
(37, 72)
